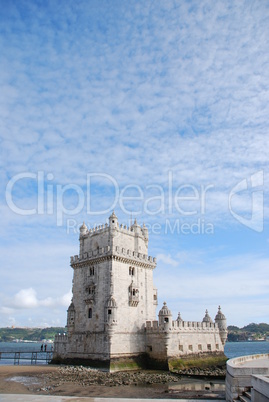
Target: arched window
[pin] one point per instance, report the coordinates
(131, 271)
(90, 313)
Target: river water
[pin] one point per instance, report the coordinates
(22, 347)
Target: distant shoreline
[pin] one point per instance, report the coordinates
(256, 340)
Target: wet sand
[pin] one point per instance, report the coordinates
(55, 380)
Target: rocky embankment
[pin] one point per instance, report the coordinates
(85, 376)
(203, 372)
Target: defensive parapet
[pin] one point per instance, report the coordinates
(182, 326)
(113, 252)
(167, 338)
(112, 239)
(133, 230)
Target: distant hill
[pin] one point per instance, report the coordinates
(30, 334)
(249, 332)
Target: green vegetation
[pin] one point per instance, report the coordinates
(30, 334)
(251, 331)
(197, 362)
(125, 365)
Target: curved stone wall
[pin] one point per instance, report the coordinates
(240, 372)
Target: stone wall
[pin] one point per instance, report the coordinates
(177, 339)
(260, 388)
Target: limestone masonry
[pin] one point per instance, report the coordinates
(112, 316)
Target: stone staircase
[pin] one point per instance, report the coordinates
(245, 397)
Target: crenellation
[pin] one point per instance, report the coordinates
(186, 326)
(107, 250)
(113, 309)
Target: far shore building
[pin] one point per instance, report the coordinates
(112, 317)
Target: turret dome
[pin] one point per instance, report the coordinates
(220, 315)
(113, 220)
(179, 319)
(113, 215)
(71, 306)
(164, 310)
(207, 318)
(83, 229)
(111, 303)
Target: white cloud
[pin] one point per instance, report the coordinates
(167, 260)
(27, 299)
(65, 300)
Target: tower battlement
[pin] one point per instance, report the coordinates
(182, 326)
(114, 239)
(113, 251)
(134, 230)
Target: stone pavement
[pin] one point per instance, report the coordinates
(45, 398)
(260, 363)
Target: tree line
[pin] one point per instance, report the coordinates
(251, 331)
(29, 334)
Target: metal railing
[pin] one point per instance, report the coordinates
(27, 355)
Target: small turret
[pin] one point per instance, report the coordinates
(220, 319)
(207, 318)
(165, 316)
(111, 311)
(145, 232)
(71, 317)
(179, 319)
(113, 220)
(135, 227)
(83, 229)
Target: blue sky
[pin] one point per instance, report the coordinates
(163, 102)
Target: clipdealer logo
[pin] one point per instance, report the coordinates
(250, 188)
(167, 200)
(185, 200)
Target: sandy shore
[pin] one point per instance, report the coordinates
(70, 381)
(21, 379)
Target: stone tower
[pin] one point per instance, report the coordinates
(111, 320)
(113, 294)
(220, 319)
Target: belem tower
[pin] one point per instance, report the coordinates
(112, 315)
